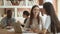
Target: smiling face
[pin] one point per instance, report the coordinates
(36, 11)
(24, 16)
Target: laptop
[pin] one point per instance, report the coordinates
(17, 27)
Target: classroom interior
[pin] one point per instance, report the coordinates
(18, 6)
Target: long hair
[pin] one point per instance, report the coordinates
(32, 15)
(50, 11)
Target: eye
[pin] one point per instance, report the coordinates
(34, 9)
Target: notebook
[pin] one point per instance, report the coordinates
(17, 27)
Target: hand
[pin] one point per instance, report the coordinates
(9, 27)
(43, 31)
(35, 30)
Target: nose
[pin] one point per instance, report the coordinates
(35, 12)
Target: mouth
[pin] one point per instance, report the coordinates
(35, 12)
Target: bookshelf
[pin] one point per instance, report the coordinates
(20, 5)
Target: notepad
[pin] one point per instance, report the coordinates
(17, 28)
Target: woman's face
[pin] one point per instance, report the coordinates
(36, 11)
(44, 11)
(24, 16)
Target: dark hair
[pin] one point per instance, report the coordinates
(9, 11)
(32, 15)
(9, 14)
(51, 12)
(26, 13)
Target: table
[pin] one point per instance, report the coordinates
(3, 31)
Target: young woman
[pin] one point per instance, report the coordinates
(49, 11)
(35, 22)
(26, 16)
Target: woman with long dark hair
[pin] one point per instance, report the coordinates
(35, 21)
(34, 17)
(49, 10)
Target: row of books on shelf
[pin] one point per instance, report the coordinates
(17, 3)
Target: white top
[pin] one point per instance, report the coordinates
(45, 20)
(34, 24)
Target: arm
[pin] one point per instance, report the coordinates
(27, 23)
(3, 23)
(47, 24)
(26, 26)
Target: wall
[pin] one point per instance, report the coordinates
(1, 11)
(58, 8)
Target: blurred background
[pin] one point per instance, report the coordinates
(18, 6)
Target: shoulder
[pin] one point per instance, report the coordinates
(13, 19)
(28, 19)
(3, 19)
(48, 17)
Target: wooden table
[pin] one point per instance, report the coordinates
(4, 31)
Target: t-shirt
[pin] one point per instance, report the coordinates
(45, 22)
(34, 24)
(6, 22)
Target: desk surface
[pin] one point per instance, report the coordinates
(3, 31)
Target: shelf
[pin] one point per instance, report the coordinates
(15, 6)
(29, 5)
(18, 6)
